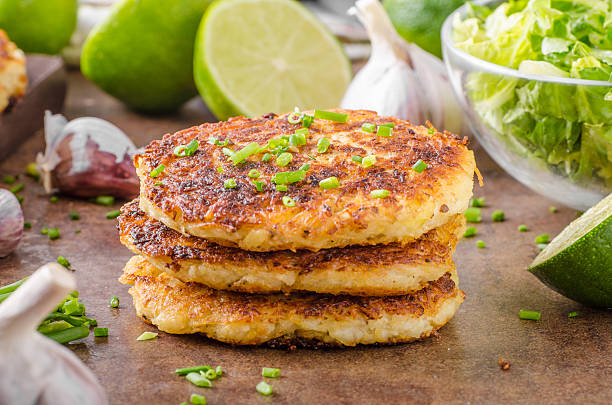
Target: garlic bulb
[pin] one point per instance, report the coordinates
(87, 157)
(36, 370)
(11, 222)
(401, 79)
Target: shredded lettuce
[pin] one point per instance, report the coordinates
(567, 126)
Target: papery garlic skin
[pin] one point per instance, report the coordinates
(11, 222)
(87, 157)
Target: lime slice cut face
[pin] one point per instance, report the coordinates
(258, 56)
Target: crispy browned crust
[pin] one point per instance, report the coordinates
(190, 190)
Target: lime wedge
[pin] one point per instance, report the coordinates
(259, 56)
(578, 262)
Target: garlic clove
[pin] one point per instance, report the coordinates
(11, 222)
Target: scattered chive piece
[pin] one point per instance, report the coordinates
(69, 335)
(219, 371)
(197, 399)
(101, 332)
(210, 374)
(281, 187)
(227, 152)
(368, 161)
(431, 131)
(543, 238)
(470, 231)
(32, 170)
(473, 215)
(329, 183)
(195, 369)
(106, 200)
(498, 216)
(71, 307)
(254, 173)
(44, 231)
(379, 193)
(356, 158)
(74, 216)
(147, 336)
(553, 209)
(264, 388)
(307, 120)
(157, 184)
(572, 314)
(183, 403)
(63, 261)
(289, 177)
(187, 150)
(530, 315)
(323, 145)
(384, 131)
(368, 127)
(27, 225)
(17, 188)
(419, 166)
(297, 140)
(288, 201)
(302, 131)
(294, 117)
(477, 202)
(481, 244)
(388, 124)
(270, 372)
(157, 171)
(330, 116)
(304, 167)
(219, 169)
(229, 183)
(113, 214)
(77, 231)
(198, 379)
(114, 301)
(522, 228)
(244, 153)
(20, 199)
(53, 233)
(284, 159)
(259, 185)
(311, 157)
(8, 179)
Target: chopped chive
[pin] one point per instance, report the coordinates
(69, 334)
(302, 131)
(522, 228)
(219, 169)
(330, 116)
(473, 215)
(323, 145)
(470, 231)
(530, 315)
(210, 374)
(147, 336)
(8, 179)
(106, 200)
(27, 225)
(113, 214)
(329, 183)
(368, 127)
(229, 183)
(227, 152)
(44, 231)
(543, 238)
(477, 202)
(32, 170)
(481, 244)
(368, 161)
(498, 216)
(63, 261)
(198, 379)
(53, 233)
(17, 188)
(157, 171)
(304, 167)
(53, 199)
(187, 150)
(219, 371)
(288, 201)
(244, 153)
(114, 301)
(77, 231)
(281, 187)
(356, 158)
(419, 166)
(284, 159)
(101, 332)
(194, 369)
(264, 388)
(197, 399)
(297, 140)
(307, 120)
(212, 140)
(12, 287)
(431, 131)
(270, 372)
(254, 173)
(553, 209)
(383, 131)
(74, 216)
(381, 193)
(387, 124)
(294, 117)
(289, 177)
(572, 314)
(20, 199)
(259, 185)
(71, 307)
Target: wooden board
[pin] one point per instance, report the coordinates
(556, 360)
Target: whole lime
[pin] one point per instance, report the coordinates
(39, 26)
(420, 21)
(142, 53)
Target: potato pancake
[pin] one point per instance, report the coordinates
(250, 319)
(250, 205)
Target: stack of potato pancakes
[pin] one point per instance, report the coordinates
(324, 227)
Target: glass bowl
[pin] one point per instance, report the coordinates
(573, 173)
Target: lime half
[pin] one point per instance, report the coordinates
(258, 56)
(578, 262)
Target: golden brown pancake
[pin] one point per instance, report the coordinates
(250, 319)
(189, 194)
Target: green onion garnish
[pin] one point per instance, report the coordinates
(72, 307)
(297, 140)
(522, 228)
(74, 215)
(270, 372)
(229, 183)
(53, 233)
(470, 231)
(553, 209)
(219, 169)
(44, 231)
(53, 199)
(284, 159)
(381, 193)
(264, 388)
(572, 314)
(419, 166)
(244, 153)
(302, 131)
(198, 379)
(17, 188)
(157, 171)
(259, 185)
(219, 371)
(368, 161)
(63, 261)
(281, 187)
(530, 315)
(8, 179)
(114, 301)
(498, 216)
(481, 244)
(69, 335)
(311, 157)
(431, 131)
(329, 183)
(254, 173)
(288, 201)
(195, 369)
(197, 399)
(187, 150)
(368, 127)
(106, 200)
(356, 158)
(543, 238)
(101, 332)
(27, 225)
(227, 152)
(383, 131)
(147, 336)
(210, 374)
(477, 202)
(387, 124)
(304, 167)
(307, 120)
(330, 116)
(295, 117)
(77, 231)
(473, 215)
(20, 199)
(323, 145)
(32, 170)
(113, 214)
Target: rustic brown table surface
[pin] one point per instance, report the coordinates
(556, 360)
